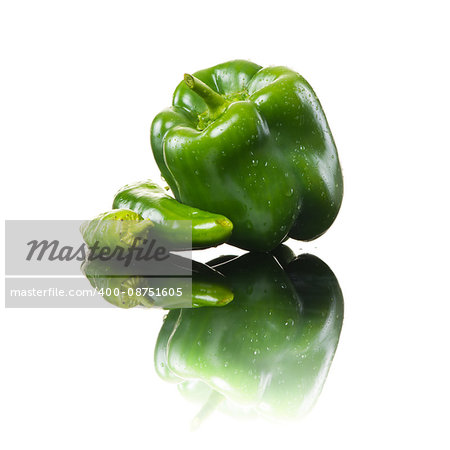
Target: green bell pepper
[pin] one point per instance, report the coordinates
(269, 350)
(253, 144)
(179, 224)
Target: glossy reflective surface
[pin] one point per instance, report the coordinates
(267, 352)
(252, 335)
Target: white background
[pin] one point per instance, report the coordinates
(80, 84)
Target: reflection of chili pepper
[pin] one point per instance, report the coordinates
(127, 287)
(269, 350)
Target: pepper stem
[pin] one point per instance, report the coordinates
(214, 101)
(214, 400)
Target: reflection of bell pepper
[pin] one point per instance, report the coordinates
(252, 144)
(270, 349)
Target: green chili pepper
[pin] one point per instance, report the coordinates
(116, 228)
(177, 222)
(269, 351)
(253, 144)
